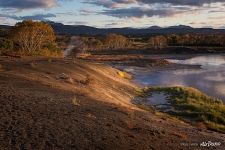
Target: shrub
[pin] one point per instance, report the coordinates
(116, 41)
(48, 53)
(35, 38)
(5, 45)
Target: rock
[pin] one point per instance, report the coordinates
(66, 78)
(70, 80)
(32, 64)
(63, 76)
(46, 76)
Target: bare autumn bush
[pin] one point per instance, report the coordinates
(116, 41)
(110, 41)
(158, 41)
(91, 43)
(201, 40)
(33, 38)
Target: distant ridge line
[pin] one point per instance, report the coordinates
(88, 30)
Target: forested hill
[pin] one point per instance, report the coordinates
(82, 29)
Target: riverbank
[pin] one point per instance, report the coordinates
(146, 69)
(182, 50)
(187, 103)
(75, 104)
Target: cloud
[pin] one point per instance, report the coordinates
(180, 2)
(110, 3)
(67, 13)
(149, 8)
(40, 17)
(28, 4)
(107, 4)
(139, 12)
(80, 22)
(117, 3)
(86, 12)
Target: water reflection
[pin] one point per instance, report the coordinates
(204, 61)
(209, 79)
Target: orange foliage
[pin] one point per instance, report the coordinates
(32, 36)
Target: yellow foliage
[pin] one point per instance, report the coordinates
(32, 36)
(121, 74)
(124, 75)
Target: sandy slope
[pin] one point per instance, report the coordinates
(72, 104)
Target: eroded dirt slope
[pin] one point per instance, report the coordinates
(72, 104)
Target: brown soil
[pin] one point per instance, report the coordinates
(71, 104)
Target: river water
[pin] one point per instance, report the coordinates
(209, 78)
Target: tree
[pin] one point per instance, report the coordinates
(91, 43)
(158, 41)
(115, 41)
(32, 36)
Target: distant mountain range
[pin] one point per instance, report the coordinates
(82, 29)
(181, 29)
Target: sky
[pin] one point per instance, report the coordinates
(117, 13)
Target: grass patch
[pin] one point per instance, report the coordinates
(191, 104)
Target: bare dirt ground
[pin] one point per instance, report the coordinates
(56, 104)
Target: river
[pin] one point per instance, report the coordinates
(208, 78)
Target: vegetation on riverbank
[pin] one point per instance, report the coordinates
(193, 105)
(169, 43)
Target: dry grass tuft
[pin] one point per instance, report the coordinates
(75, 101)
